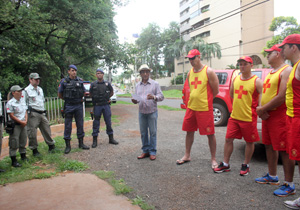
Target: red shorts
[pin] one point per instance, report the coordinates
(202, 120)
(237, 129)
(293, 136)
(274, 130)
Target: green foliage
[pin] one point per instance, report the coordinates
(104, 174)
(285, 26)
(231, 66)
(120, 186)
(141, 203)
(169, 108)
(45, 166)
(179, 79)
(72, 165)
(45, 36)
(172, 93)
(44, 175)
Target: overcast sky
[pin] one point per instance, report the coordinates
(139, 13)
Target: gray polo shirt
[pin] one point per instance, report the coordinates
(17, 107)
(34, 97)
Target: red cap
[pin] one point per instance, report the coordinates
(193, 53)
(291, 39)
(246, 58)
(274, 48)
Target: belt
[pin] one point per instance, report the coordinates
(72, 103)
(100, 104)
(40, 112)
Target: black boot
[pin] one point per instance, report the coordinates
(51, 148)
(68, 146)
(14, 162)
(23, 157)
(81, 144)
(94, 141)
(36, 153)
(112, 140)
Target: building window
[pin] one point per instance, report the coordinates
(201, 23)
(183, 2)
(184, 12)
(195, 14)
(204, 34)
(205, 9)
(194, 2)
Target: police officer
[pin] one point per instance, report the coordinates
(71, 89)
(101, 91)
(1, 128)
(34, 97)
(17, 111)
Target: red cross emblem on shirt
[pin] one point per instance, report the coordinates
(266, 85)
(241, 92)
(196, 82)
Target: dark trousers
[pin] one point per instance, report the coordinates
(75, 110)
(98, 111)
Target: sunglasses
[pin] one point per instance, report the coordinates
(193, 58)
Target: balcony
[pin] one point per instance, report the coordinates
(184, 17)
(185, 27)
(184, 7)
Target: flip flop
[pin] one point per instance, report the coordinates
(215, 165)
(180, 162)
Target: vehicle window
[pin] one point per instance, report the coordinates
(257, 73)
(222, 76)
(87, 86)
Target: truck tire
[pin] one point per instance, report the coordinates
(220, 114)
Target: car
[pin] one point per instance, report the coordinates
(222, 103)
(114, 97)
(87, 96)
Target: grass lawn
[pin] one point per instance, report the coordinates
(167, 93)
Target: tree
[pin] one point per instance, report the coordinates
(207, 50)
(150, 46)
(170, 36)
(284, 26)
(45, 36)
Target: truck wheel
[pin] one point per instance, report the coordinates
(220, 114)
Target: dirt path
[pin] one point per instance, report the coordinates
(162, 183)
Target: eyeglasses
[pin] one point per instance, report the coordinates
(193, 58)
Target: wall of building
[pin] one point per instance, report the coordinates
(255, 28)
(238, 32)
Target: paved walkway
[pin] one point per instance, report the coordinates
(76, 191)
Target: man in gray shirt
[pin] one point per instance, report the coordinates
(34, 97)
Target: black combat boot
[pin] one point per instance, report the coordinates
(14, 162)
(81, 144)
(51, 148)
(68, 146)
(36, 153)
(112, 140)
(94, 141)
(23, 157)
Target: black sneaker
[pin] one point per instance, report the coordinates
(244, 170)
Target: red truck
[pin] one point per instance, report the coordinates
(222, 103)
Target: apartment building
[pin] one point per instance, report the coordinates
(240, 27)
